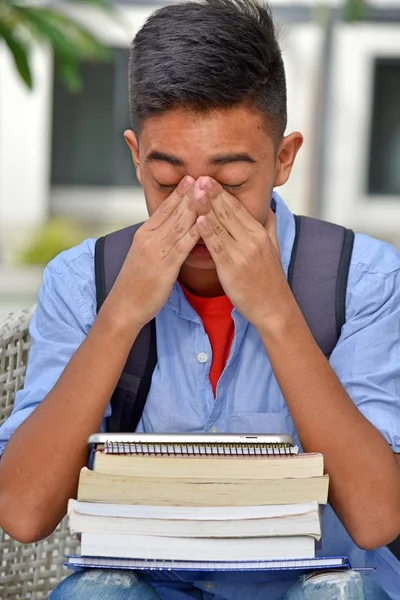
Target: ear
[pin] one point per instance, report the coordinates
(132, 141)
(287, 152)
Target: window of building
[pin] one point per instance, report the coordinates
(384, 162)
(88, 144)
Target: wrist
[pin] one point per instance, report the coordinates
(118, 320)
(280, 325)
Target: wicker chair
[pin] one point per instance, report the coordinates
(26, 571)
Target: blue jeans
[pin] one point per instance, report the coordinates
(338, 585)
(99, 584)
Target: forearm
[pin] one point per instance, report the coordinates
(364, 474)
(40, 466)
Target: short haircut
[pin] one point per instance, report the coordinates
(206, 55)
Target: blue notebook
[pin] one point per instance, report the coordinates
(178, 570)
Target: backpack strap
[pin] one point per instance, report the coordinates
(130, 394)
(318, 274)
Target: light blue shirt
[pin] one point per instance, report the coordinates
(248, 399)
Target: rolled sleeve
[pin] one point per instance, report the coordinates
(367, 357)
(63, 317)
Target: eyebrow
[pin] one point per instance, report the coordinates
(218, 160)
(226, 159)
(155, 155)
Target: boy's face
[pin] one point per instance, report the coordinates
(232, 146)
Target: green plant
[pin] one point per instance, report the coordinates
(22, 22)
(54, 237)
(354, 10)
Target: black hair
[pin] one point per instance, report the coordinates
(205, 55)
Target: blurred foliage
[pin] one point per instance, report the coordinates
(350, 11)
(353, 10)
(54, 237)
(21, 23)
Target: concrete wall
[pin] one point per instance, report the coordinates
(25, 119)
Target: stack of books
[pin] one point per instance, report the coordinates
(200, 504)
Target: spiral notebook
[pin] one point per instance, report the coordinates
(194, 444)
(164, 570)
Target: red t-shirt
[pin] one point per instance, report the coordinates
(215, 314)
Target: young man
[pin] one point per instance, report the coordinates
(208, 104)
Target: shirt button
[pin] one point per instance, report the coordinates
(214, 430)
(208, 585)
(202, 357)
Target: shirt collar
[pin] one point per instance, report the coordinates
(285, 231)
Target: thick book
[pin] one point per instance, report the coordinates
(116, 545)
(203, 467)
(209, 522)
(210, 571)
(184, 491)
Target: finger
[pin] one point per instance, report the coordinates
(177, 226)
(217, 245)
(223, 209)
(168, 207)
(182, 248)
(203, 206)
(174, 223)
(227, 206)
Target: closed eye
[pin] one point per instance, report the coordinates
(233, 187)
(171, 186)
(166, 187)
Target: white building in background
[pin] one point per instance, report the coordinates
(65, 155)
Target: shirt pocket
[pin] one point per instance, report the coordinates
(270, 422)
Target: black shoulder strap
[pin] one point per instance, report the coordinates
(318, 273)
(129, 397)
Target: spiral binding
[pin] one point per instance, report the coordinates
(199, 449)
(154, 565)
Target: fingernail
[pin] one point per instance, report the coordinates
(202, 222)
(206, 183)
(186, 182)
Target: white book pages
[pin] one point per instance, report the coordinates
(168, 548)
(208, 513)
